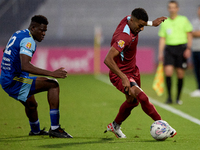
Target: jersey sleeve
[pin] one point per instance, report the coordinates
(27, 46)
(161, 32)
(122, 41)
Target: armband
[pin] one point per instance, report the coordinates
(149, 23)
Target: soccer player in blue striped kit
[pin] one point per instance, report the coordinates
(15, 80)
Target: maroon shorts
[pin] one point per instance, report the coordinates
(117, 81)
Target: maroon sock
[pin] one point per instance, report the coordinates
(124, 111)
(147, 106)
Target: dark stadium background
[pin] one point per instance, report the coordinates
(72, 22)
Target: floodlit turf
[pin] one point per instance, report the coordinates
(87, 105)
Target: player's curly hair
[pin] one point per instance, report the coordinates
(140, 14)
(40, 19)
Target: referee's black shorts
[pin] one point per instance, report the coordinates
(173, 55)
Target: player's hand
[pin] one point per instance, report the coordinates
(126, 85)
(187, 53)
(158, 21)
(59, 73)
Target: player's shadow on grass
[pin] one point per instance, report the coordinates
(70, 142)
(21, 138)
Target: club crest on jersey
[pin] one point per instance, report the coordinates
(121, 43)
(28, 45)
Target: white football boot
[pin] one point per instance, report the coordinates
(116, 130)
(172, 131)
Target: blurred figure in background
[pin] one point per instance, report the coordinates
(175, 47)
(196, 52)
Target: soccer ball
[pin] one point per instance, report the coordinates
(160, 130)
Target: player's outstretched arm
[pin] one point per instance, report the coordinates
(158, 21)
(27, 66)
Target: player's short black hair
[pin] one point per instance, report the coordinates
(140, 14)
(40, 19)
(175, 2)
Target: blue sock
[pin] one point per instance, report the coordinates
(35, 126)
(55, 116)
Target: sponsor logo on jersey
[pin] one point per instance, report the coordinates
(121, 43)
(28, 45)
(24, 51)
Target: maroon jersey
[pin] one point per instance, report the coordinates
(126, 43)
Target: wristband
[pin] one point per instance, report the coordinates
(149, 23)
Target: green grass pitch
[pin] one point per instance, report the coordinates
(87, 105)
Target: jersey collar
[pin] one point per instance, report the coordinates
(29, 32)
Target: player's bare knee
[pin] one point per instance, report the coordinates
(54, 83)
(131, 99)
(32, 106)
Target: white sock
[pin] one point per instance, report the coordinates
(54, 127)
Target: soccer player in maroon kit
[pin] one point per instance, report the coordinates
(124, 74)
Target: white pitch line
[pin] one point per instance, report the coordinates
(105, 79)
(175, 111)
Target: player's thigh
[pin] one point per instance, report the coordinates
(20, 87)
(135, 90)
(44, 84)
(133, 81)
